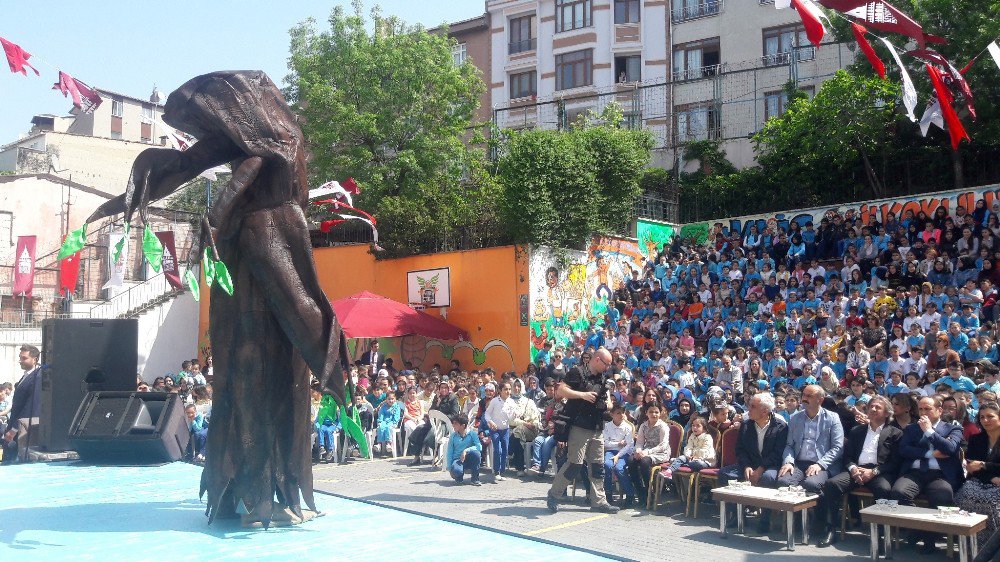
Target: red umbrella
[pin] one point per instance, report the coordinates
(367, 315)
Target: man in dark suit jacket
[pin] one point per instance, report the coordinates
(871, 457)
(373, 358)
(930, 461)
(25, 407)
(759, 447)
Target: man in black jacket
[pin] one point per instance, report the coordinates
(25, 408)
(871, 456)
(759, 447)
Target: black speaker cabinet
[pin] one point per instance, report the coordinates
(82, 355)
(130, 428)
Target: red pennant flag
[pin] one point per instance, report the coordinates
(883, 16)
(810, 19)
(169, 263)
(956, 76)
(325, 226)
(69, 273)
(350, 186)
(955, 128)
(84, 97)
(866, 48)
(24, 266)
(17, 57)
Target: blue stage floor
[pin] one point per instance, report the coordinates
(62, 511)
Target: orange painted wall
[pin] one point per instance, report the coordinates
(485, 289)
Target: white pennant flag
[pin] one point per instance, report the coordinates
(782, 4)
(909, 92)
(116, 269)
(994, 50)
(932, 115)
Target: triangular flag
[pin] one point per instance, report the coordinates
(74, 242)
(192, 283)
(84, 97)
(812, 20)
(994, 50)
(931, 116)
(17, 58)
(152, 248)
(121, 243)
(955, 129)
(223, 277)
(932, 56)
(69, 272)
(351, 187)
(909, 92)
(866, 48)
(208, 266)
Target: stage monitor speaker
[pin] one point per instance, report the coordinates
(130, 428)
(82, 355)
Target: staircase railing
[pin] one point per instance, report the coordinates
(136, 299)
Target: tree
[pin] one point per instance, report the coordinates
(193, 197)
(391, 109)
(560, 187)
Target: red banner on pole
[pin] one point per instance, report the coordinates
(24, 266)
(69, 273)
(169, 264)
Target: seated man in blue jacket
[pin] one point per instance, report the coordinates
(930, 461)
(465, 452)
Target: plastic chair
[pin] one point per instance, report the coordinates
(441, 426)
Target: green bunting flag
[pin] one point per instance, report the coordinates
(121, 244)
(208, 264)
(223, 278)
(352, 424)
(152, 248)
(75, 241)
(192, 282)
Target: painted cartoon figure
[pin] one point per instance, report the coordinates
(603, 276)
(556, 296)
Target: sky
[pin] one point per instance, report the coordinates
(128, 46)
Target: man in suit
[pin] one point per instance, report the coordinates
(871, 458)
(930, 461)
(815, 444)
(373, 359)
(26, 406)
(759, 445)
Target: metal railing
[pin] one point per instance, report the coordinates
(804, 53)
(133, 298)
(700, 10)
(522, 46)
(699, 73)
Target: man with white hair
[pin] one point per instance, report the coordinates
(759, 448)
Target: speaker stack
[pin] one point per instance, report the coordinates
(130, 428)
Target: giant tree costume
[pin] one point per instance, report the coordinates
(278, 322)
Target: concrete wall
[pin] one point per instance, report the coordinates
(168, 334)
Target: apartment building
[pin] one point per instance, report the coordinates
(685, 69)
(472, 38)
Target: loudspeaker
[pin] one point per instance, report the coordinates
(82, 355)
(130, 428)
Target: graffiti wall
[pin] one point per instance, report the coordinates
(652, 236)
(570, 290)
(880, 208)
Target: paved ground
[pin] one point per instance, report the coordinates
(518, 507)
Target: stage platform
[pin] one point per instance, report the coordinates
(71, 511)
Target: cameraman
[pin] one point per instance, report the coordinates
(581, 427)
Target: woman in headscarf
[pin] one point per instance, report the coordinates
(525, 424)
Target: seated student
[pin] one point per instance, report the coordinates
(871, 459)
(619, 441)
(652, 446)
(464, 451)
(326, 428)
(699, 452)
(389, 415)
(929, 456)
(198, 426)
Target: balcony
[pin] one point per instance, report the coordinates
(702, 10)
(698, 73)
(805, 53)
(522, 46)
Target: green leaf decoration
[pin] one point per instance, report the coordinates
(152, 248)
(192, 283)
(74, 242)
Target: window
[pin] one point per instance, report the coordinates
(523, 85)
(575, 69)
(147, 113)
(781, 42)
(523, 34)
(116, 134)
(700, 122)
(626, 11)
(117, 107)
(697, 60)
(693, 9)
(633, 120)
(774, 104)
(459, 53)
(628, 68)
(574, 14)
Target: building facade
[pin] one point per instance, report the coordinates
(472, 38)
(685, 69)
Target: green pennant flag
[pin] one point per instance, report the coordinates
(192, 282)
(352, 425)
(223, 278)
(74, 242)
(208, 265)
(121, 244)
(152, 248)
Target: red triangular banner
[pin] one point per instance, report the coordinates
(17, 57)
(955, 128)
(866, 48)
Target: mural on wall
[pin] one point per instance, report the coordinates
(569, 298)
(880, 209)
(652, 236)
(423, 353)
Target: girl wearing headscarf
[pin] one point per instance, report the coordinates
(525, 424)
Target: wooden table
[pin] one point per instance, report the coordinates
(923, 519)
(765, 498)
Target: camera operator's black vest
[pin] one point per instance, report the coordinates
(581, 413)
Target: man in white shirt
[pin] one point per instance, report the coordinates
(619, 442)
(871, 460)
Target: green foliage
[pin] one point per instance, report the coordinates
(192, 197)
(391, 109)
(559, 187)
